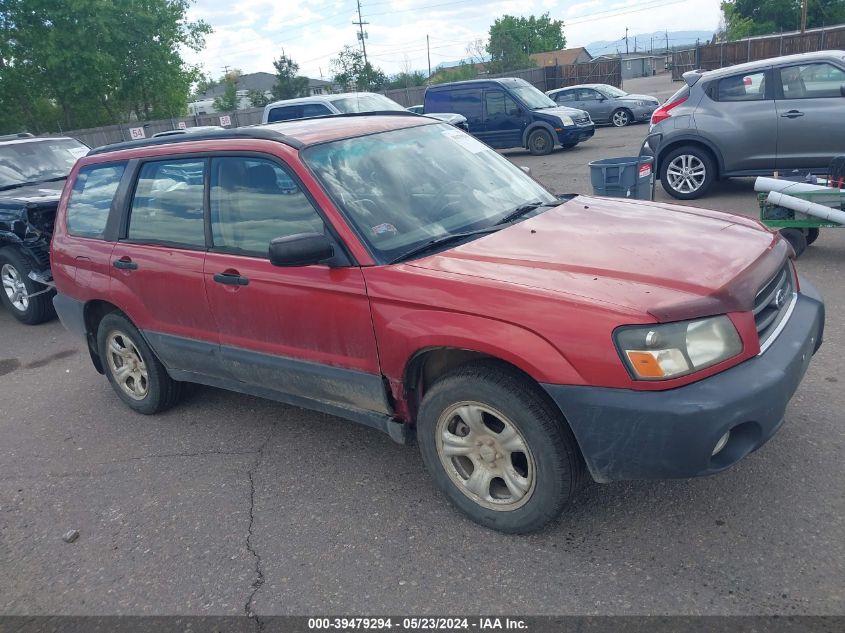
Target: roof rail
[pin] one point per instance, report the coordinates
(237, 133)
(14, 137)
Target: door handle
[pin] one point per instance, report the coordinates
(125, 263)
(231, 279)
(792, 114)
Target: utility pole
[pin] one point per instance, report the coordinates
(626, 40)
(362, 35)
(667, 41)
(428, 53)
(803, 15)
(225, 70)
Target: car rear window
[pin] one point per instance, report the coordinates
(91, 198)
(284, 113)
(750, 87)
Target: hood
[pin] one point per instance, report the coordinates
(448, 117)
(639, 257)
(633, 97)
(40, 193)
(562, 110)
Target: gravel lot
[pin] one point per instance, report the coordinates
(228, 498)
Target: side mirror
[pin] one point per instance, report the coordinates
(602, 98)
(525, 169)
(515, 112)
(302, 249)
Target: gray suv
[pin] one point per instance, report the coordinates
(753, 119)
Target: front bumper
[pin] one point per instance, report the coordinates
(576, 134)
(643, 113)
(627, 434)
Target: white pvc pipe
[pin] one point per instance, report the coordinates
(774, 184)
(805, 206)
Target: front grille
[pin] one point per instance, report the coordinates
(584, 120)
(773, 305)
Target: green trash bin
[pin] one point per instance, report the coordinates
(625, 177)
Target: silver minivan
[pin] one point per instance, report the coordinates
(777, 114)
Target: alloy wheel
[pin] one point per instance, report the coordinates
(686, 173)
(126, 365)
(621, 118)
(15, 288)
(485, 456)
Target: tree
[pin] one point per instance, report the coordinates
(406, 79)
(257, 99)
(746, 18)
(352, 71)
(228, 101)
(289, 84)
(90, 62)
(461, 72)
(513, 39)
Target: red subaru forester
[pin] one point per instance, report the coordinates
(395, 271)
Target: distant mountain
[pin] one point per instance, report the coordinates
(644, 42)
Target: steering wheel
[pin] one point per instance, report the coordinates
(452, 186)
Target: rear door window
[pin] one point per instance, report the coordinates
(284, 113)
(314, 109)
(565, 97)
(751, 87)
(812, 81)
(167, 207)
(254, 200)
(91, 198)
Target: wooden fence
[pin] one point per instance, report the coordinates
(722, 54)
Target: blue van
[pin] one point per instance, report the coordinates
(511, 113)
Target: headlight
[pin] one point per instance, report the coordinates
(669, 350)
(566, 120)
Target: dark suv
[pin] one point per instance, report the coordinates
(778, 114)
(507, 113)
(32, 174)
(415, 281)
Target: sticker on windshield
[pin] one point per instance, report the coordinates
(466, 141)
(384, 229)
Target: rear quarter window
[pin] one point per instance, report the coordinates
(91, 198)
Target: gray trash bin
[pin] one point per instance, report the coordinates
(625, 177)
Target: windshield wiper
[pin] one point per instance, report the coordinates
(443, 239)
(526, 208)
(29, 183)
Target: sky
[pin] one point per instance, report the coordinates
(249, 34)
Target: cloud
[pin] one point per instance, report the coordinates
(250, 34)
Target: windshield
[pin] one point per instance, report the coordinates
(612, 92)
(533, 98)
(37, 161)
(366, 102)
(403, 188)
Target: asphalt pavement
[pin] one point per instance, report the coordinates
(229, 504)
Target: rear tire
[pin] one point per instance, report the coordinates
(497, 449)
(133, 370)
(17, 286)
(540, 143)
(796, 238)
(687, 172)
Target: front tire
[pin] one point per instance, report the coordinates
(497, 449)
(797, 240)
(621, 118)
(133, 370)
(687, 172)
(540, 143)
(17, 288)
